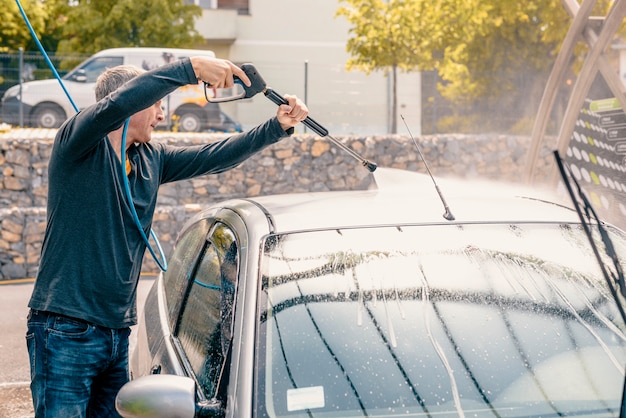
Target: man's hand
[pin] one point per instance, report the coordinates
(217, 73)
(293, 113)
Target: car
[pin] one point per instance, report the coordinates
(222, 123)
(380, 303)
(44, 103)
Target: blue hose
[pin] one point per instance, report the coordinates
(162, 265)
(45, 55)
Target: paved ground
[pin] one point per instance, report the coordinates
(15, 400)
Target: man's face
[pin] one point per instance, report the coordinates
(144, 122)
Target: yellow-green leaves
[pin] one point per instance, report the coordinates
(99, 24)
(14, 33)
(488, 51)
(87, 26)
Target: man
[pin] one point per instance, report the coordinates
(84, 299)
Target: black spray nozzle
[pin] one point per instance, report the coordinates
(320, 130)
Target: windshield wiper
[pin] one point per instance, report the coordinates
(588, 217)
(614, 276)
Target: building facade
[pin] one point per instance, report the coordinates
(299, 47)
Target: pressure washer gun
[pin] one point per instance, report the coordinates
(241, 91)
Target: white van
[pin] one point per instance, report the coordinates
(45, 104)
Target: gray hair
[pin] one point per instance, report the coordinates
(112, 78)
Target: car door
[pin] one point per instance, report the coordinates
(154, 352)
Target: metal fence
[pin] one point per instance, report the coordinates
(31, 65)
(344, 102)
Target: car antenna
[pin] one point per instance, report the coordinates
(447, 215)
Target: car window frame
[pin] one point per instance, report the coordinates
(175, 288)
(226, 360)
(101, 62)
(250, 224)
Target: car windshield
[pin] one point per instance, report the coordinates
(446, 320)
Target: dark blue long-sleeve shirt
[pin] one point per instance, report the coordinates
(92, 251)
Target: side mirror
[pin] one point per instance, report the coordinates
(157, 396)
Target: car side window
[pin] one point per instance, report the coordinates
(205, 327)
(181, 266)
(95, 67)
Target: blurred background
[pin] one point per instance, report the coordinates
(367, 67)
(445, 66)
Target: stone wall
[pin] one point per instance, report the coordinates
(301, 163)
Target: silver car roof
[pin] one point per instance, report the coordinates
(406, 198)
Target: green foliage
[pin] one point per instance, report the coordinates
(385, 34)
(94, 25)
(505, 41)
(82, 27)
(14, 33)
(492, 56)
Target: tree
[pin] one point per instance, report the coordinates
(82, 27)
(491, 55)
(14, 33)
(384, 38)
(99, 24)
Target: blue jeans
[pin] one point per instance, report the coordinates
(76, 368)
